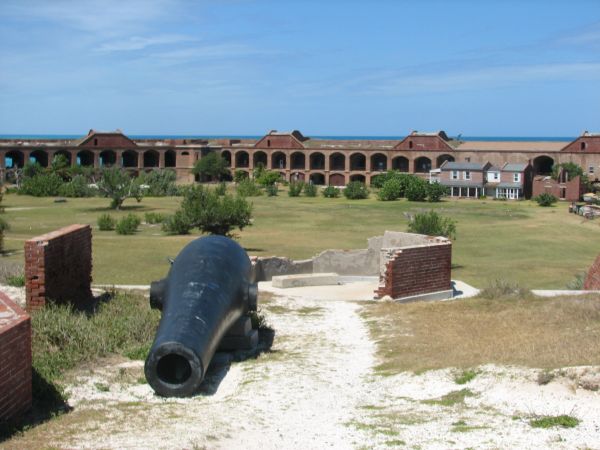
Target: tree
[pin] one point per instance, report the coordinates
(356, 190)
(60, 166)
(416, 191)
(435, 192)
(267, 177)
(212, 166)
(432, 224)
(572, 169)
(117, 185)
(214, 214)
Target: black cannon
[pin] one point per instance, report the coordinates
(206, 297)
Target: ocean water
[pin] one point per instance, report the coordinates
(174, 136)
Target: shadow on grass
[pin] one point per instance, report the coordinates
(124, 208)
(250, 249)
(48, 402)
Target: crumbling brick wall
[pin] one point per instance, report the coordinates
(592, 280)
(15, 360)
(414, 270)
(58, 266)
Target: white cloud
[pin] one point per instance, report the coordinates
(139, 43)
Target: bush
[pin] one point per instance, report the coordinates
(159, 183)
(248, 188)
(545, 199)
(310, 190)
(221, 188)
(78, 187)
(211, 166)
(356, 190)
(432, 224)
(178, 223)
(240, 175)
(435, 192)
(128, 224)
(268, 177)
(502, 289)
(271, 190)
(295, 188)
(154, 218)
(106, 222)
(331, 192)
(390, 190)
(416, 191)
(117, 185)
(42, 185)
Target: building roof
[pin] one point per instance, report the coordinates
(462, 183)
(509, 185)
(440, 133)
(511, 146)
(494, 169)
(455, 165)
(514, 167)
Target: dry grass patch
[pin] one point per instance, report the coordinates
(533, 332)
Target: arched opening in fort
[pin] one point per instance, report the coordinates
(317, 161)
(443, 158)
(39, 157)
(337, 161)
(337, 179)
(66, 154)
(357, 177)
(297, 161)
(14, 159)
(242, 159)
(297, 176)
(85, 158)
(400, 163)
(151, 158)
(378, 162)
(227, 157)
(170, 158)
(108, 158)
(542, 165)
(260, 158)
(278, 161)
(317, 179)
(358, 161)
(129, 159)
(422, 165)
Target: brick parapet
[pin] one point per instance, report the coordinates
(15, 359)
(592, 279)
(58, 266)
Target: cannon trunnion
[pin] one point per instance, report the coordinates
(205, 297)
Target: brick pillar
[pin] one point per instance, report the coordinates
(161, 159)
(140, 159)
(96, 159)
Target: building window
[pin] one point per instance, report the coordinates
(517, 177)
(268, 142)
(591, 169)
(583, 145)
(410, 144)
(455, 174)
(95, 141)
(468, 159)
(493, 176)
(467, 174)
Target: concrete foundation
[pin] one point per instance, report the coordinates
(311, 279)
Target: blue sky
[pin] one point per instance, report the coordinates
(243, 67)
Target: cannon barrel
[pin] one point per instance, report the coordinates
(207, 289)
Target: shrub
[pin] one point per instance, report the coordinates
(310, 190)
(31, 169)
(295, 188)
(390, 190)
(239, 175)
(416, 191)
(331, 192)
(435, 192)
(221, 188)
(432, 224)
(211, 166)
(16, 280)
(545, 199)
(159, 183)
(77, 187)
(154, 218)
(268, 177)
(42, 185)
(117, 185)
(106, 222)
(576, 283)
(178, 223)
(356, 190)
(248, 188)
(128, 224)
(502, 289)
(271, 190)
(562, 421)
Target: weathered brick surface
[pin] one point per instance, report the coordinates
(417, 270)
(592, 280)
(58, 266)
(15, 360)
(573, 188)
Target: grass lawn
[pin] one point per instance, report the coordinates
(516, 241)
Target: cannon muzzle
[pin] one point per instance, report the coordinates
(206, 291)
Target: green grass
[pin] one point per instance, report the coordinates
(465, 376)
(563, 421)
(451, 398)
(516, 241)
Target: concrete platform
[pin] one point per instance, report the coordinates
(308, 279)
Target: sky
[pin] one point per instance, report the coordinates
(355, 68)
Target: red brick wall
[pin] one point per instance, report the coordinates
(592, 280)
(424, 143)
(592, 145)
(574, 189)
(418, 270)
(58, 266)
(15, 360)
(112, 141)
(278, 142)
